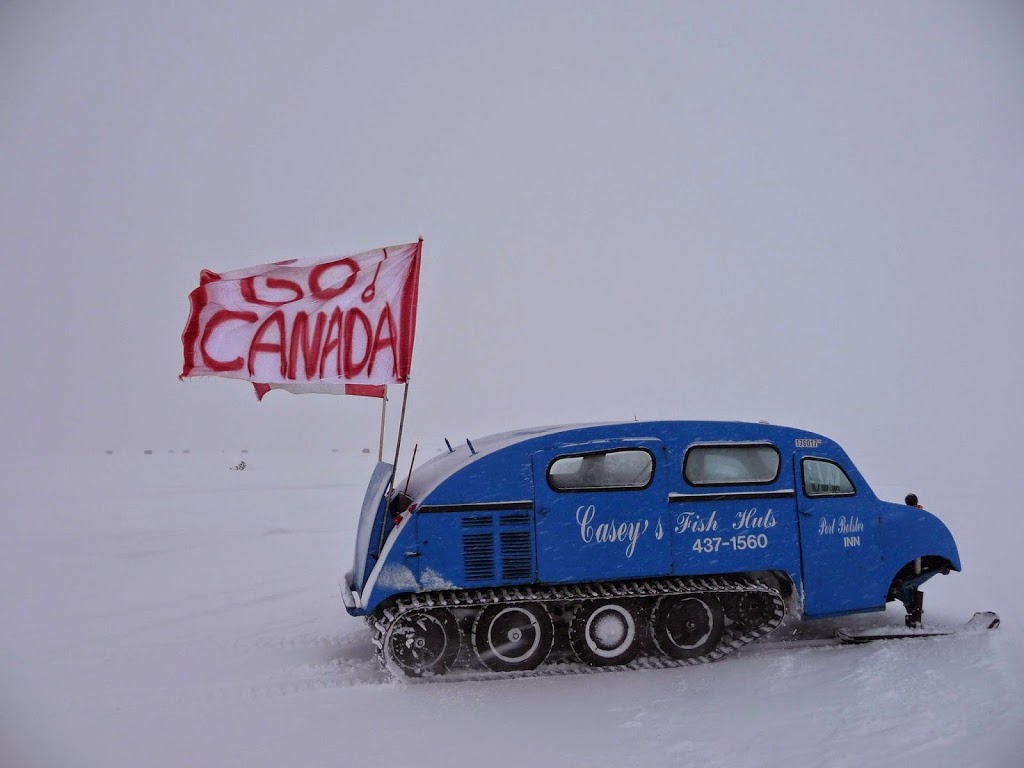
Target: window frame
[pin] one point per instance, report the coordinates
(833, 462)
(759, 444)
(602, 488)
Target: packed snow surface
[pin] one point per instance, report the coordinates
(166, 610)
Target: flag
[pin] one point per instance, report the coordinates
(327, 388)
(343, 325)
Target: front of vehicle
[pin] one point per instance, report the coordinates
(369, 537)
(918, 545)
(414, 533)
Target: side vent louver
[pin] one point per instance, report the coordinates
(515, 518)
(498, 547)
(478, 548)
(516, 555)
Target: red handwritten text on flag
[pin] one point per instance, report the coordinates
(350, 320)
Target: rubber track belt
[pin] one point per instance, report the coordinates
(733, 637)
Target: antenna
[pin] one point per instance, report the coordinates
(471, 448)
(409, 477)
(450, 449)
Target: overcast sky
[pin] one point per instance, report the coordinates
(809, 213)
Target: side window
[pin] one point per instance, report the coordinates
(623, 469)
(731, 464)
(825, 478)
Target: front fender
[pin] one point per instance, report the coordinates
(910, 533)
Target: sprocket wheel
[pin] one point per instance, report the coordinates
(751, 609)
(423, 642)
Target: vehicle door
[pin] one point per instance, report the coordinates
(601, 512)
(839, 535)
(736, 512)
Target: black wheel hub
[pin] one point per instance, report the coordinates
(688, 623)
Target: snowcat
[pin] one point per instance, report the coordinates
(637, 544)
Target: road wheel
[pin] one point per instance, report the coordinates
(513, 637)
(423, 642)
(604, 633)
(686, 626)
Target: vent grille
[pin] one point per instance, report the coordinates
(478, 547)
(478, 551)
(498, 547)
(516, 555)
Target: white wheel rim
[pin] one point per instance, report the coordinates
(496, 645)
(607, 618)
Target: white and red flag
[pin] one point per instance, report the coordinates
(344, 325)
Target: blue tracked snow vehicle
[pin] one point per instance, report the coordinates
(632, 544)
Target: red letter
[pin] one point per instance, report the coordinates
(300, 338)
(256, 347)
(325, 294)
(274, 283)
(332, 344)
(219, 318)
(352, 368)
(385, 342)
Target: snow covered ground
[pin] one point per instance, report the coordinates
(164, 610)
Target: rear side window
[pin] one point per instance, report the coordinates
(731, 464)
(825, 478)
(623, 469)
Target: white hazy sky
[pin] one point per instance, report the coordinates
(809, 213)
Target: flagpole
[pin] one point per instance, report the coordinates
(383, 411)
(405, 392)
(401, 426)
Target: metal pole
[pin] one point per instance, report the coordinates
(401, 425)
(383, 411)
(405, 399)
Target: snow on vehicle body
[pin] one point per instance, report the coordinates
(640, 544)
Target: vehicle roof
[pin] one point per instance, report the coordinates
(517, 445)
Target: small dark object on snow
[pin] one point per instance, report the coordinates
(240, 466)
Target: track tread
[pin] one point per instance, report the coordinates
(733, 637)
